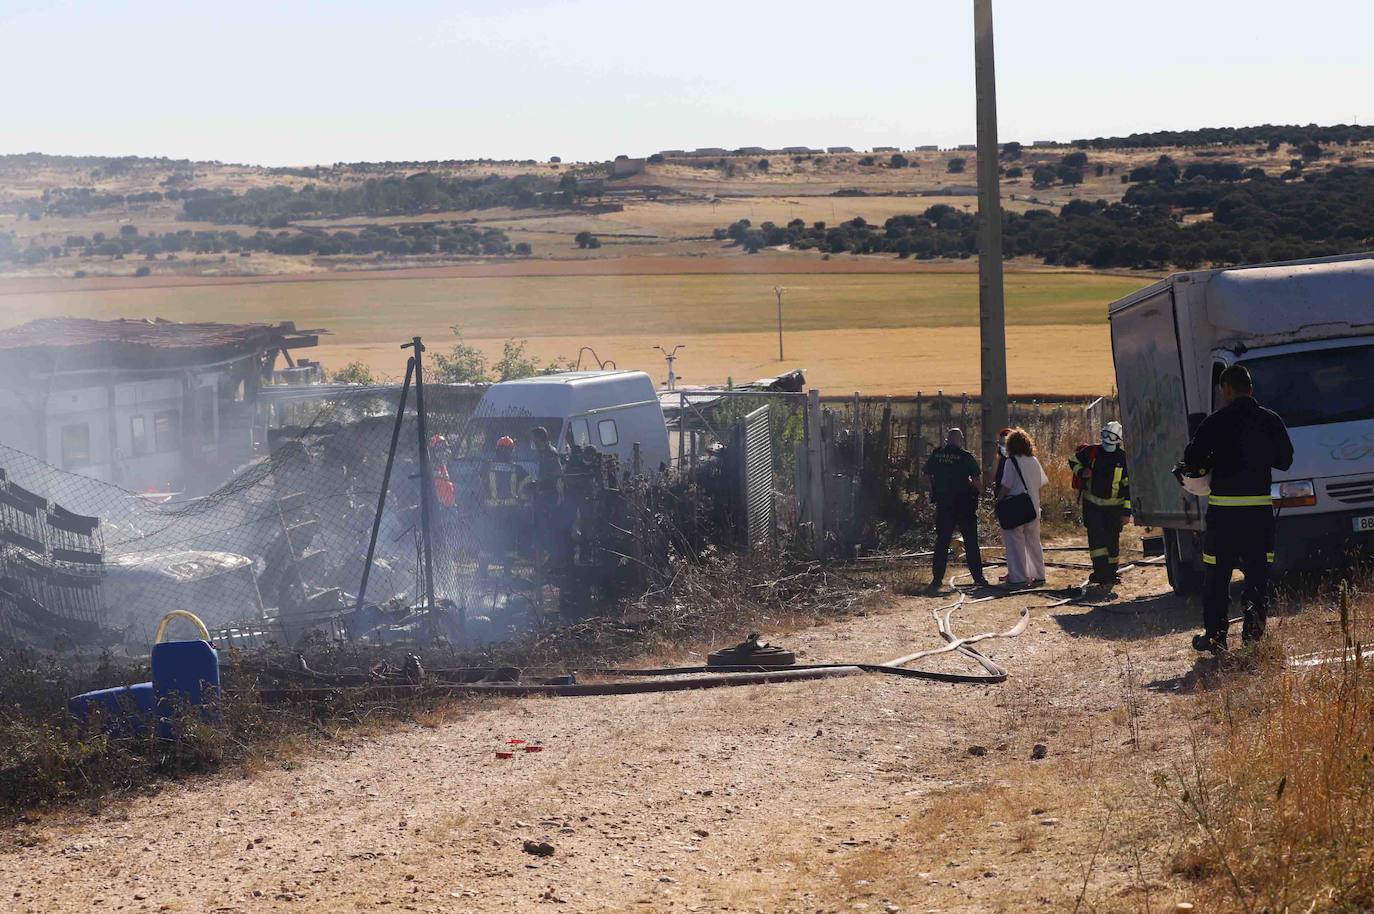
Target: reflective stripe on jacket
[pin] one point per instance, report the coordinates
(1108, 483)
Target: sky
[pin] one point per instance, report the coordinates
(297, 83)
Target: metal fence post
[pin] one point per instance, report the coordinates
(815, 470)
(426, 477)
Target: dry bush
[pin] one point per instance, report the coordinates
(1279, 803)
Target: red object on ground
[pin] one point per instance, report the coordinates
(515, 742)
(500, 754)
(534, 748)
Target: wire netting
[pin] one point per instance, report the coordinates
(282, 543)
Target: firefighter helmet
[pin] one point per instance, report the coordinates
(505, 443)
(1195, 480)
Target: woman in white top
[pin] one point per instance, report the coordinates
(1025, 556)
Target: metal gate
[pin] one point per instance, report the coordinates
(757, 482)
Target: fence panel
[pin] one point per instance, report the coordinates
(758, 498)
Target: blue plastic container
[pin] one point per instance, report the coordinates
(123, 710)
(184, 673)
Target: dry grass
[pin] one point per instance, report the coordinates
(876, 333)
(1278, 799)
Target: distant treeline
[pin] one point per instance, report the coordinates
(416, 238)
(79, 201)
(1271, 136)
(423, 192)
(1252, 220)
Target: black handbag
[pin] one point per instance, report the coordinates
(1018, 510)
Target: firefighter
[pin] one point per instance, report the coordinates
(1242, 443)
(954, 484)
(504, 477)
(551, 528)
(444, 494)
(1099, 471)
(502, 483)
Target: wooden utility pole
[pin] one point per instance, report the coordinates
(992, 319)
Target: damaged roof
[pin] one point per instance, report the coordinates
(74, 342)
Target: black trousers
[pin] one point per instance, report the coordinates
(1237, 538)
(1104, 540)
(964, 516)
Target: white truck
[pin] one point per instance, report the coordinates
(613, 411)
(1305, 329)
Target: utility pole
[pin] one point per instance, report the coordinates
(992, 319)
(778, 290)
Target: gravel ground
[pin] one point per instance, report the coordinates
(866, 793)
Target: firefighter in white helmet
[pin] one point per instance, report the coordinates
(1100, 472)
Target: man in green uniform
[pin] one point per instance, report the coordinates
(954, 485)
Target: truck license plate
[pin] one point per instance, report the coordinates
(1364, 524)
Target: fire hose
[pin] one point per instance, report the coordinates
(666, 679)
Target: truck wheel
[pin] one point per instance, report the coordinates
(1185, 577)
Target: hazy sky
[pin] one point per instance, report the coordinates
(288, 82)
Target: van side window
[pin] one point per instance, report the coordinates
(607, 431)
(582, 435)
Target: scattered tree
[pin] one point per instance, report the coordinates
(353, 373)
(956, 165)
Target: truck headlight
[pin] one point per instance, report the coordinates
(1296, 493)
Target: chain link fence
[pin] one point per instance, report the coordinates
(281, 548)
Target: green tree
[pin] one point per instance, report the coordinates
(516, 362)
(898, 161)
(1011, 151)
(523, 249)
(1044, 175)
(353, 373)
(462, 364)
(956, 165)
(584, 239)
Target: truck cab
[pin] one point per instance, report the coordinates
(613, 412)
(1306, 331)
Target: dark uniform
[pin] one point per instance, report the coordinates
(1106, 503)
(551, 533)
(503, 482)
(952, 471)
(1242, 443)
(504, 515)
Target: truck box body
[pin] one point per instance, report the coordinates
(1306, 332)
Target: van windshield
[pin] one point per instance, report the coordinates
(1317, 387)
(479, 440)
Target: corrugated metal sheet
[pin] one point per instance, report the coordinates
(758, 476)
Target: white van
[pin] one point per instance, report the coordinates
(612, 411)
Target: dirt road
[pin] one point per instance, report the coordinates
(869, 793)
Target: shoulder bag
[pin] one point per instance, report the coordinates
(1016, 510)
